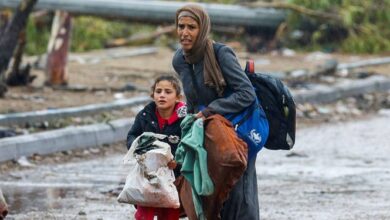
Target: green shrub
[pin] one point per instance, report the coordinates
(88, 33)
(363, 26)
(37, 37)
(92, 32)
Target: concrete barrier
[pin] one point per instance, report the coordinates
(69, 138)
(22, 118)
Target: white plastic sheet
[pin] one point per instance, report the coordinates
(150, 182)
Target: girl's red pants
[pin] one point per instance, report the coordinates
(148, 213)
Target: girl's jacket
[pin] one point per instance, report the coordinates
(147, 121)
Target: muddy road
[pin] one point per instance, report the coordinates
(336, 171)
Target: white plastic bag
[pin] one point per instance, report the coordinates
(150, 182)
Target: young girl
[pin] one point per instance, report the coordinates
(163, 115)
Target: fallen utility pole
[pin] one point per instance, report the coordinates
(162, 11)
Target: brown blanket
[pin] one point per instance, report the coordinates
(226, 161)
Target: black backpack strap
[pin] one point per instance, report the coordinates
(194, 84)
(217, 47)
(193, 77)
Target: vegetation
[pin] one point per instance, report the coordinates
(354, 26)
(87, 32)
(93, 33)
(37, 35)
(357, 27)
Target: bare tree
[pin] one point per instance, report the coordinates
(10, 35)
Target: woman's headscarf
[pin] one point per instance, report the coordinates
(203, 47)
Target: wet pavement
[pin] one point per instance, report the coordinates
(67, 191)
(336, 171)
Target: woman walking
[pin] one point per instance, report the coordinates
(214, 83)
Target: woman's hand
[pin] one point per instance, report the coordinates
(200, 115)
(172, 164)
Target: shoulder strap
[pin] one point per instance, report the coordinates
(194, 84)
(217, 47)
(193, 77)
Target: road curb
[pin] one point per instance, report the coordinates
(50, 114)
(69, 138)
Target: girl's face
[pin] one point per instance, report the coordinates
(188, 31)
(165, 95)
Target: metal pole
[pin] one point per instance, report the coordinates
(161, 11)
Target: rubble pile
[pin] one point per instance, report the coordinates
(342, 110)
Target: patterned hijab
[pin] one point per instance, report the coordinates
(203, 47)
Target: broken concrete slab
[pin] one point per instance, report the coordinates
(328, 68)
(364, 63)
(326, 94)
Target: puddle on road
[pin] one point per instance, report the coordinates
(25, 199)
(29, 202)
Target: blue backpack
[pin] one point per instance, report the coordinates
(276, 102)
(251, 125)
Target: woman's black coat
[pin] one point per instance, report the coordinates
(243, 198)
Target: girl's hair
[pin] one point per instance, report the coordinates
(172, 79)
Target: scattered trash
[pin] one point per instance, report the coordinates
(299, 73)
(7, 132)
(315, 56)
(119, 96)
(288, 52)
(129, 87)
(94, 150)
(262, 62)
(24, 162)
(384, 112)
(295, 154)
